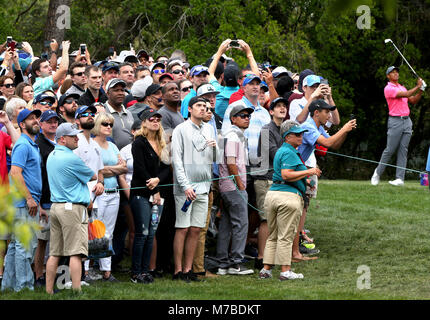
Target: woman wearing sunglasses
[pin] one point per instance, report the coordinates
(7, 86)
(149, 151)
(185, 87)
(108, 202)
(284, 202)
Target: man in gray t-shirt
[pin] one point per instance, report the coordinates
(172, 103)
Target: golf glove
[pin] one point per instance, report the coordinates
(423, 87)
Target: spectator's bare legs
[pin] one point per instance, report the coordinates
(178, 248)
(190, 247)
(296, 252)
(284, 268)
(75, 266)
(263, 234)
(51, 272)
(39, 258)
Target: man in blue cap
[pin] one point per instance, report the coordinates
(110, 71)
(25, 170)
(43, 102)
(198, 75)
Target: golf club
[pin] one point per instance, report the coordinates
(389, 40)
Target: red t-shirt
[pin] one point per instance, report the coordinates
(5, 144)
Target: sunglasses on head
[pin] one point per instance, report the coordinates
(243, 115)
(44, 103)
(86, 114)
(178, 71)
(106, 124)
(159, 71)
(185, 89)
(9, 85)
(79, 74)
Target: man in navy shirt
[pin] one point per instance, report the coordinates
(25, 170)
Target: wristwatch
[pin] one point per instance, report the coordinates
(102, 182)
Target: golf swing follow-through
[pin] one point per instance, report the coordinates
(399, 123)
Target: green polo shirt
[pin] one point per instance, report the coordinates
(288, 158)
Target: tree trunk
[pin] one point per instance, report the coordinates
(58, 20)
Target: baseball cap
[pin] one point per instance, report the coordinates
(125, 54)
(169, 75)
(390, 69)
(110, 65)
(239, 108)
(142, 53)
(67, 129)
(264, 86)
(294, 129)
(153, 88)
(82, 109)
(173, 62)
(276, 101)
(302, 76)
(206, 88)
(196, 70)
(113, 82)
(194, 100)
(281, 71)
(159, 65)
(42, 96)
(320, 104)
(310, 80)
(139, 88)
(65, 96)
(136, 124)
(48, 114)
(250, 78)
(148, 113)
(24, 113)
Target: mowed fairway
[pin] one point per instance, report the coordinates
(385, 228)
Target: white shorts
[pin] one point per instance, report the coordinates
(196, 214)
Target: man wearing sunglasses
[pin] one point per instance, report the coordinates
(43, 102)
(157, 70)
(198, 75)
(234, 220)
(175, 67)
(67, 105)
(77, 73)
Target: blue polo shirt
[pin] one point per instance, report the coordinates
(310, 137)
(186, 101)
(288, 158)
(26, 155)
(68, 176)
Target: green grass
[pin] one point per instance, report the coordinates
(353, 224)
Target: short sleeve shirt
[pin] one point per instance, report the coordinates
(310, 138)
(396, 106)
(288, 158)
(186, 101)
(26, 155)
(68, 176)
(127, 156)
(110, 158)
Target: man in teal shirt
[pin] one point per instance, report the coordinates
(68, 177)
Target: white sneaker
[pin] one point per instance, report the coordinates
(222, 271)
(397, 182)
(375, 179)
(68, 285)
(290, 275)
(265, 274)
(238, 269)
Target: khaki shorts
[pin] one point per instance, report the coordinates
(196, 214)
(43, 235)
(69, 230)
(261, 187)
(312, 193)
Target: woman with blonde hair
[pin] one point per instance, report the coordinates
(108, 203)
(149, 152)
